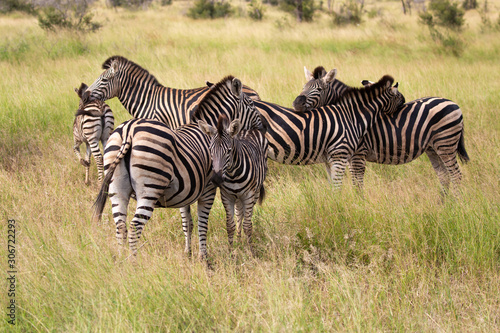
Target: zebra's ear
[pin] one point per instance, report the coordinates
(113, 69)
(206, 128)
(395, 88)
(236, 87)
(81, 90)
(309, 75)
(85, 96)
(234, 128)
(330, 76)
(367, 83)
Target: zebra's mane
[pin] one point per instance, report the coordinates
(107, 64)
(221, 124)
(319, 72)
(375, 88)
(214, 91)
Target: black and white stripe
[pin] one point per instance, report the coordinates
(330, 134)
(143, 96)
(431, 125)
(166, 167)
(93, 122)
(239, 160)
(320, 89)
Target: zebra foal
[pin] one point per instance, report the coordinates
(239, 160)
(93, 122)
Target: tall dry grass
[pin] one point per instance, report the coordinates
(395, 258)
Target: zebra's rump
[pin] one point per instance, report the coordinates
(175, 161)
(426, 123)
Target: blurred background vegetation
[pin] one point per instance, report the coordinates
(396, 257)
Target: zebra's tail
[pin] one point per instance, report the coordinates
(262, 195)
(462, 153)
(100, 202)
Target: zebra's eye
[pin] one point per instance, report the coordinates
(320, 89)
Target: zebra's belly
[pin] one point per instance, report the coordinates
(177, 195)
(384, 157)
(297, 159)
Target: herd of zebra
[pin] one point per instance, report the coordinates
(184, 143)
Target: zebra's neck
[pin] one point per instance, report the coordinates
(335, 90)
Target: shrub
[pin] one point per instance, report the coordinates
(443, 13)
(350, 13)
(303, 9)
(210, 9)
(7, 6)
(469, 4)
(256, 10)
(71, 15)
(132, 4)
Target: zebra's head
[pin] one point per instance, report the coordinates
(395, 103)
(321, 89)
(108, 84)
(227, 98)
(88, 105)
(222, 145)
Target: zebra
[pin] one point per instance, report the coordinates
(320, 89)
(330, 134)
(93, 122)
(400, 135)
(239, 160)
(143, 96)
(164, 167)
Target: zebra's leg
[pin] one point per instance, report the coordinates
(336, 169)
(230, 225)
(248, 205)
(143, 212)
(205, 203)
(357, 166)
(96, 152)
(449, 159)
(119, 191)
(87, 164)
(439, 168)
(240, 215)
(187, 227)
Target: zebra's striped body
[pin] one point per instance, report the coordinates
(166, 167)
(429, 125)
(93, 122)
(330, 134)
(144, 97)
(240, 165)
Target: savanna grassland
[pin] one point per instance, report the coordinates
(395, 258)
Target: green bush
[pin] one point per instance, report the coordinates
(350, 12)
(60, 14)
(7, 6)
(256, 10)
(210, 9)
(304, 10)
(132, 4)
(443, 13)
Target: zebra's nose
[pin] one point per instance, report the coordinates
(217, 178)
(299, 104)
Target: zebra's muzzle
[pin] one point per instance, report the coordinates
(299, 104)
(217, 179)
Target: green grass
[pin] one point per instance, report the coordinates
(394, 258)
